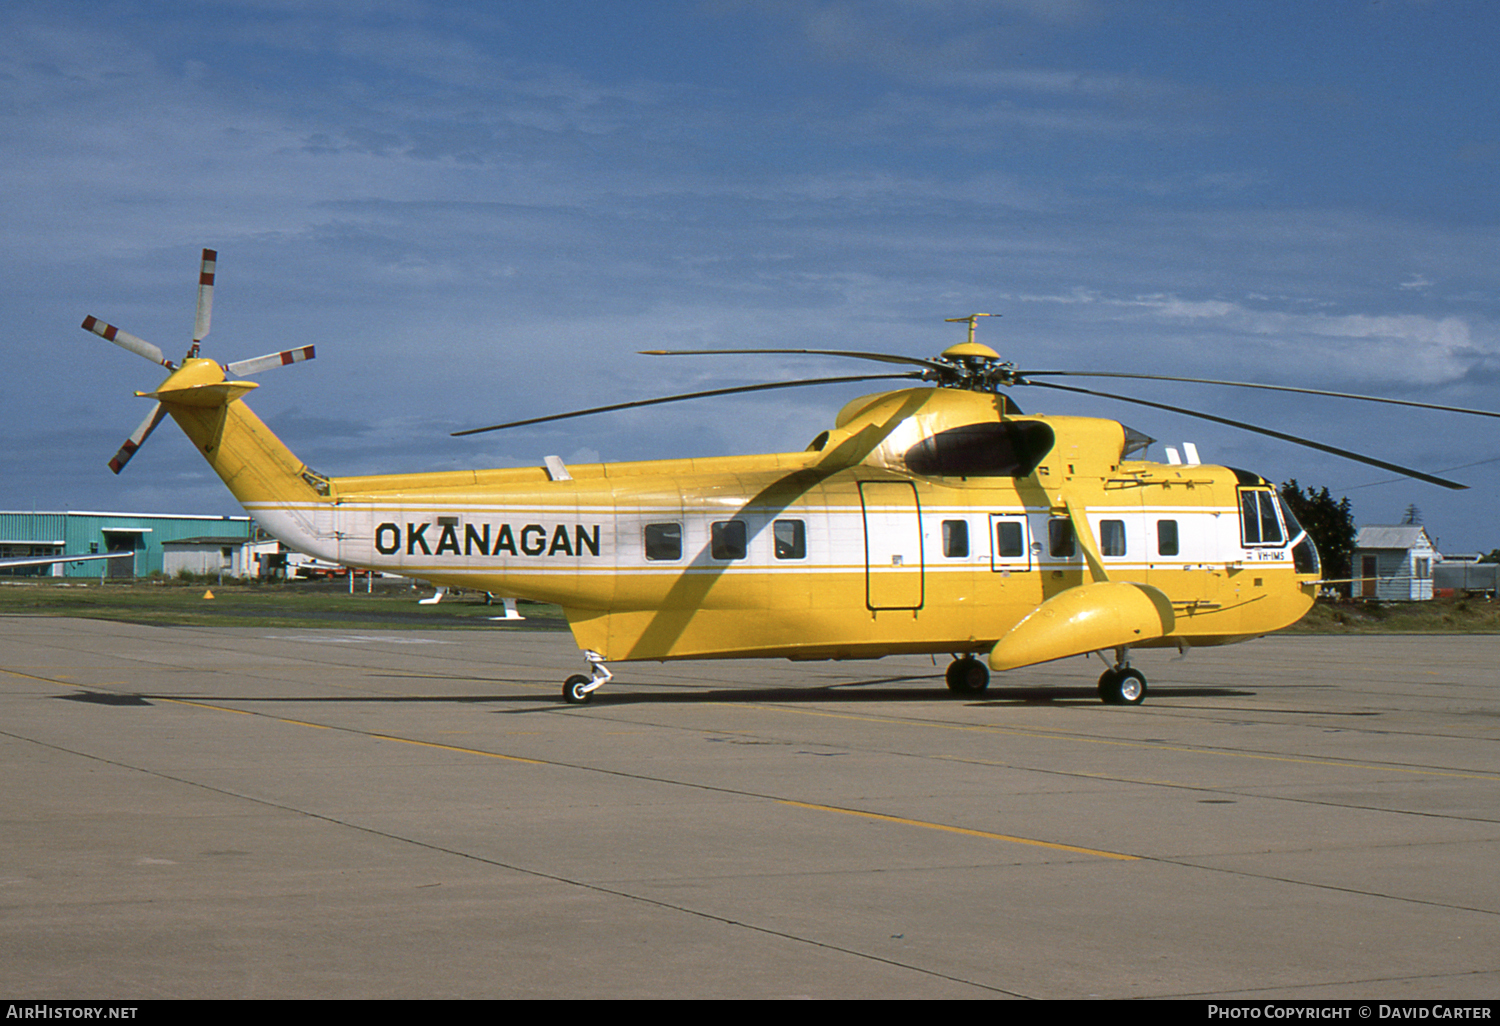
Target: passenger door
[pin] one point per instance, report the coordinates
(893, 545)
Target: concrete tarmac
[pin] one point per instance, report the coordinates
(224, 813)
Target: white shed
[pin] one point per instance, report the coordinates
(1394, 564)
(235, 557)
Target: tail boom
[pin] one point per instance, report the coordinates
(258, 468)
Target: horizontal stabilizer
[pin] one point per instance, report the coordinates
(220, 393)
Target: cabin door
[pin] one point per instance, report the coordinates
(893, 545)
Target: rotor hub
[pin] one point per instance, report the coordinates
(972, 366)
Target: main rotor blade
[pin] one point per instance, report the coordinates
(1309, 443)
(880, 357)
(125, 340)
(1269, 388)
(256, 364)
(689, 395)
(137, 438)
(205, 295)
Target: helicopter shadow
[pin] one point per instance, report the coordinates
(873, 692)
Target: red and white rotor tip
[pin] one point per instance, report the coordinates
(137, 438)
(256, 364)
(125, 340)
(205, 295)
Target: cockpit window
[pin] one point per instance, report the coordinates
(1008, 448)
(1259, 520)
(1304, 551)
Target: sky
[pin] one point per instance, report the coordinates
(482, 211)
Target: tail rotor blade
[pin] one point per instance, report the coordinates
(137, 438)
(125, 340)
(256, 364)
(205, 295)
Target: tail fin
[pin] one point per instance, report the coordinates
(247, 455)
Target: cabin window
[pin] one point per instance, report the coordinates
(790, 537)
(1009, 542)
(1112, 537)
(1007, 448)
(1060, 538)
(955, 538)
(727, 539)
(1166, 537)
(663, 541)
(1259, 523)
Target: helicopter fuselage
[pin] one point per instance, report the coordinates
(873, 542)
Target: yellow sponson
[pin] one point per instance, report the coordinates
(1088, 618)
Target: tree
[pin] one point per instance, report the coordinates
(1493, 557)
(1330, 523)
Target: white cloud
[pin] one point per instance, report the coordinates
(1394, 349)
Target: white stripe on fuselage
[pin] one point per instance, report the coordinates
(602, 539)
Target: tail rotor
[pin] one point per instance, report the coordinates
(202, 322)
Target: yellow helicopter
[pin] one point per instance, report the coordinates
(935, 519)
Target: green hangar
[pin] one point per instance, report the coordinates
(138, 537)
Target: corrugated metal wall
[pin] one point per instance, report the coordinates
(89, 532)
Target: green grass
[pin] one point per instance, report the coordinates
(1440, 616)
(179, 603)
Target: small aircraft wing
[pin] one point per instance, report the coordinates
(49, 560)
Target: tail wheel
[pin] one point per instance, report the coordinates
(576, 689)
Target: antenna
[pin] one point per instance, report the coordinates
(970, 320)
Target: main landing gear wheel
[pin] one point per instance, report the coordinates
(1122, 687)
(968, 676)
(580, 688)
(576, 689)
